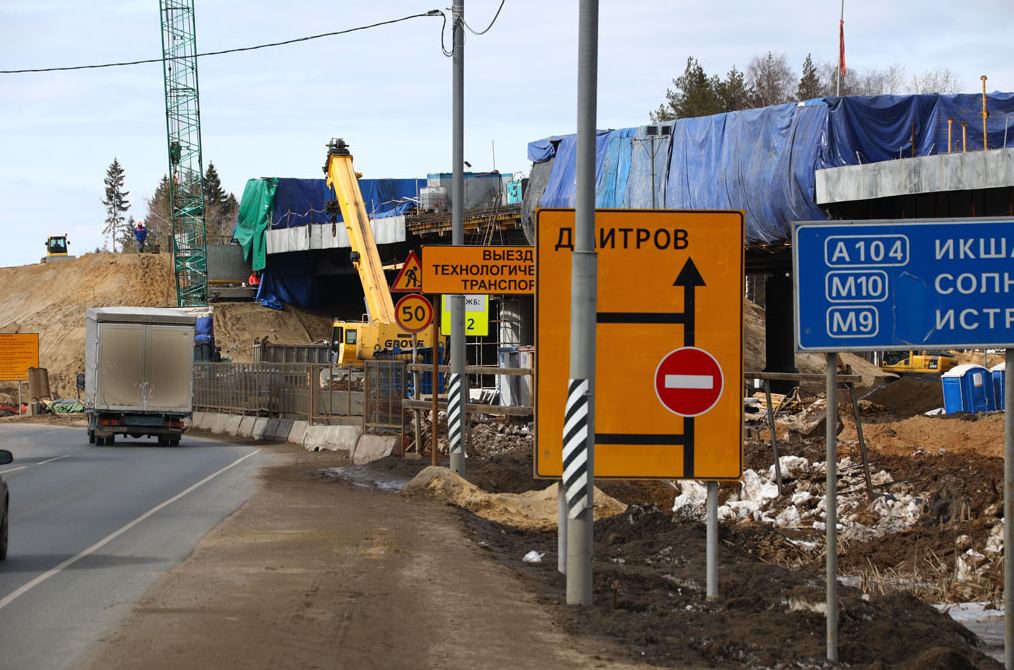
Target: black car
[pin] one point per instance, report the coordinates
(5, 458)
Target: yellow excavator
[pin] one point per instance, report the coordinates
(921, 363)
(56, 248)
(378, 332)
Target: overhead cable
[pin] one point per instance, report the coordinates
(432, 12)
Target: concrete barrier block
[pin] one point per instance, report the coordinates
(315, 437)
(373, 447)
(197, 419)
(282, 429)
(246, 426)
(217, 423)
(259, 430)
(231, 426)
(297, 432)
(345, 437)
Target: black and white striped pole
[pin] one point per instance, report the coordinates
(580, 410)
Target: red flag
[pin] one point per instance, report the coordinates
(841, 47)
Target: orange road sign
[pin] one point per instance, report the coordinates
(669, 343)
(409, 280)
(414, 313)
(471, 270)
(18, 352)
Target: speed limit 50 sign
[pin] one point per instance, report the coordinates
(414, 313)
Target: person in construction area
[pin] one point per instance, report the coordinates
(140, 234)
(254, 279)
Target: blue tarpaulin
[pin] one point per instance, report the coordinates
(301, 201)
(762, 161)
(288, 278)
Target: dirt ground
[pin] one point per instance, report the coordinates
(326, 568)
(318, 572)
(51, 299)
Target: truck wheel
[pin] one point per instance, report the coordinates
(100, 441)
(91, 437)
(163, 441)
(174, 442)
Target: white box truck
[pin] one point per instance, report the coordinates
(139, 373)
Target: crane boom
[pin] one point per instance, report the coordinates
(343, 179)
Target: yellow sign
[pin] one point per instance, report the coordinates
(457, 270)
(409, 280)
(18, 352)
(476, 316)
(414, 313)
(669, 343)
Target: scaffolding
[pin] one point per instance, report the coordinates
(183, 132)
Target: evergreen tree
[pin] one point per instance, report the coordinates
(809, 83)
(735, 92)
(115, 201)
(695, 94)
(213, 193)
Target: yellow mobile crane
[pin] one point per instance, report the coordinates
(356, 341)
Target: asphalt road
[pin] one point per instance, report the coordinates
(93, 528)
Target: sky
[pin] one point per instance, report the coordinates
(387, 91)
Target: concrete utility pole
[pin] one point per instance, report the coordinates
(579, 431)
(456, 391)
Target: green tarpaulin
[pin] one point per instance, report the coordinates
(255, 210)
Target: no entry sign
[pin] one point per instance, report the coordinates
(688, 381)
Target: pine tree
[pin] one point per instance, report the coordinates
(809, 84)
(696, 94)
(115, 201)
(213, 193)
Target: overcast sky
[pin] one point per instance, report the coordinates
(386, 91)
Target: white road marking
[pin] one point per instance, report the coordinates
(4, 472)
(112, 536)
(689, 382)
(57, 458)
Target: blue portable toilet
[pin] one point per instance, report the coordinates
(997, 372)
(967, 388)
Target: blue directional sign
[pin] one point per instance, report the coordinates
(938, 284)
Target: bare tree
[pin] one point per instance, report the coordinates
(941, 81)
(771, 79)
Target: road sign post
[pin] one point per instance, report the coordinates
(669, 343)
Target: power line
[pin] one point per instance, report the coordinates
(432, 12)
(483, 32)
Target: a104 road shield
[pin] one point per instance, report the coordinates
(669, 343)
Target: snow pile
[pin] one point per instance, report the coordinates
(803, 503)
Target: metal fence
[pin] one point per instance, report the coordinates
(383, 396)
(290, 390)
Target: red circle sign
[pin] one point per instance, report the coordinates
(414, 313)
(688, 381)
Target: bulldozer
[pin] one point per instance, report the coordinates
(56, 248)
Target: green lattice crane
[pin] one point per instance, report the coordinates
(183, 131)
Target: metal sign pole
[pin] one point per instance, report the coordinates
(435, 413)
(455, 403)
(579, 424)
(712, 541)
(418, 396)
(831, 507)
(561, 532)
(1008, 509)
